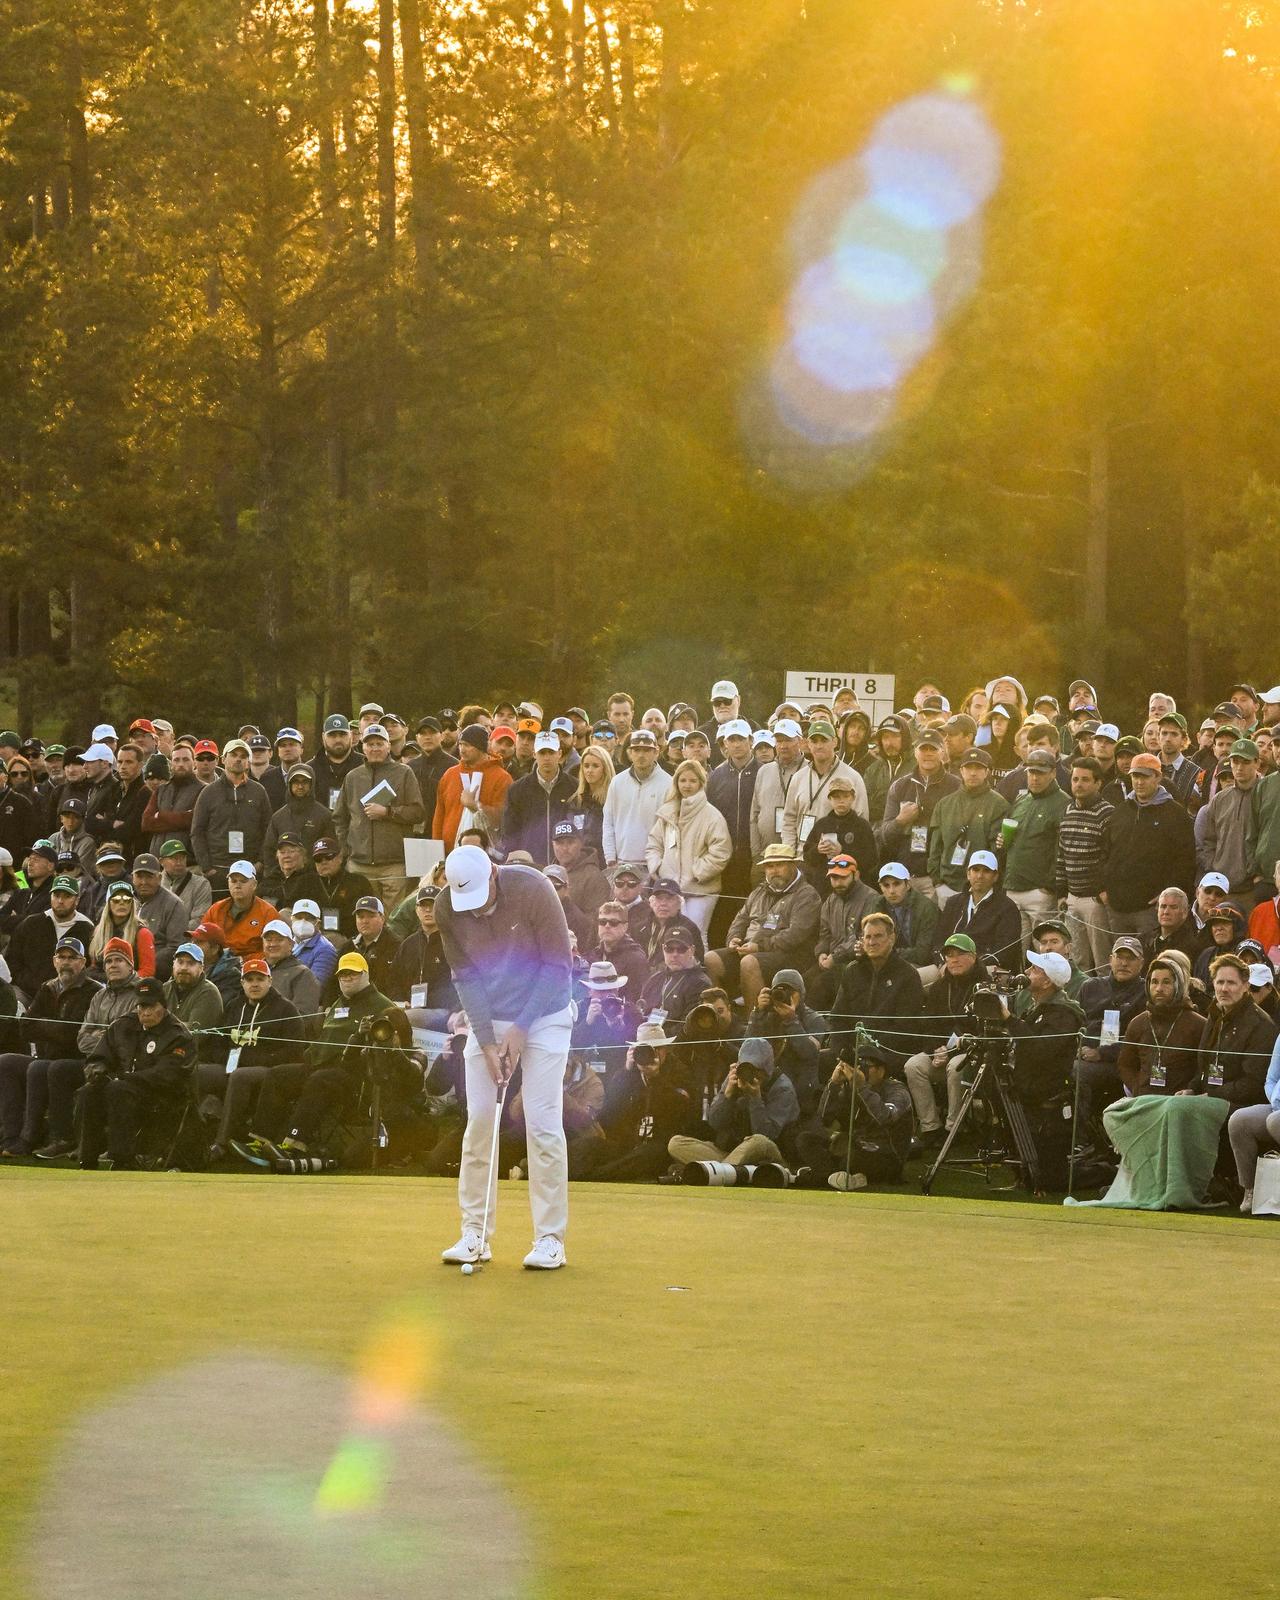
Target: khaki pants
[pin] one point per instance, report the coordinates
(388, 880)
(1033, 904)
(754, 1151)
(925, 886)
(1143, 922)
(922, 1073)
(1090, 932)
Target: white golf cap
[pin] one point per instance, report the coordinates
(242, 869)
(306, 908)
(104, 730)
(468, 871)
(1216, 880)
(1055, 967)
(983, 858)
(735, 725)
(893, 869)
(561, 725)
(1107, 730)
(763, 736)
(547, 741)
(280, 926)
(371, 707)
(786, 727)
(724, 689)
(1271, 697)
(1260, 974)
(1001, 711)
(99, 752)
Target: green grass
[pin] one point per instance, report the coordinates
(878, 1395)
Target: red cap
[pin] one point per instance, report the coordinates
(255, 964)
(143, 723)
(209, 931)
(502, 732)
(118, 947)
(205, 747)
(1146, 762)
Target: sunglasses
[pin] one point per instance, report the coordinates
(210, 758)
(611, 922)
(670, 945)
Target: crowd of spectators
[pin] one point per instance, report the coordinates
(213, 953)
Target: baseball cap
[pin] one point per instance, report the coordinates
(108, 852)
(144, 723)
(306, 908)
(528, 725)
(962, 722)
(233, 745)
(210, 931)
(146, 862)
(427, 891)
(1050, 925)
(841, 785)
(336, 723)
(104, 730)
(935, 702)
(1146, 762)
(557, 874)
(960, 941)
(427, 724)
(821, 730)
(69, 942)
(192, 949)
(71, 807)
(324, 849)
(242, 869)
(677, 936)
(894, 869)
(644, 736)
(841, 864)
(566, 829)
(737, 727)
(259, 741)
(1055, 967)
(255, 964)
(1041, 761)
(1216, 880)
(375, 730)
(1260, 975)
(56, 750)
(149, 992)
(976, 758)
(1228, 708)
(370, 902)
(983, 858)
(1269, 697)
(666, 886)
(724, 689)
(121, 889)
(279, 925)
(1175, 717)
(563, 725)
(931, 739)
(1245, 749)
(468, 872)
(204, 747)
(288, 837)
(288, 733)
(99, 752)
(353, 961)
(371, 707)
(173, 847)
(763, 736)
(787, 727)
(546, 741)
(1107, 730)
(1130, 745)
(1127, 941)
(1046, 700)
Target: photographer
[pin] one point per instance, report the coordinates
(645, 1106)
(756, 1107)
(606, 1021)
(709, 1039)
(1042, 1056)
(878, 986)
(777, 924)
(265, 1033)
(782, 1016)
(141, 1063)
(300, 1100)
(421, 973)
(881, 1141)
(945, 1006)
(838, 927)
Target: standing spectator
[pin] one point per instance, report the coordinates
(1078, 866)
(586, 808)
(909, 808)
(1224, 841)
(965, 820)
(301, 815)
(773, 785)
(379, 808)
(1031, 851)
(631, 806)
(73, 836)
(808, 796)
(536, 802)
(160, 910)
(191, 888)
(1110, 1002)
(690, 842)
(171, 807)
(431, 762)
(839, 832)
(230, 818)
(336, 761)
(1150, 845)
(473, 792)
(730, 789)
(839, 928)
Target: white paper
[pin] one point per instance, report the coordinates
(1109, 1033)
(806, 828)
(418, 996)
(421, 855)
(235, 842)
(382, 794)
(233, 1058)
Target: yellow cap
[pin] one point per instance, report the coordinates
(353, 961)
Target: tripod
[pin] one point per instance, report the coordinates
(1008, 1140)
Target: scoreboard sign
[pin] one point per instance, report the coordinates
(873, 689)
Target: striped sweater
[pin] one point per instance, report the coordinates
(1082, 849)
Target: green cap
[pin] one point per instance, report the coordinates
(1233, 728)
(1129, 746)
(1174, 717)
(1245, 748)
(961, 941)
(174, 847)
(10, 737)
(63, 882)
(1051, 925)
(821, 730)
(55, 749)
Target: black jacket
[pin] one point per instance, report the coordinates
(53, 1019)
(1150, 848)
(267, 1034)
(31, 948)
(1235, 1052)
(421, 960)
(18, 823)
(429, 770)
(635, 1111)
(1045, 1048)
(996, 926)
(330, 776)
(1102, 994)
(531, 812)
(944, 1006)
(730, 791)
(380, 953)
(161, 1057)
(856, 838)
(892, 995)
(339, 895)
(674, 993)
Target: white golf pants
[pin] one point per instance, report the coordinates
(546, 1052)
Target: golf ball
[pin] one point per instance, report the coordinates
(467, 1269)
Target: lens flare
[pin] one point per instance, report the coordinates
(933, 162)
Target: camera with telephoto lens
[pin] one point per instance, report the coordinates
(782, 995)
(644, 1055)
(378, 1031)
(298, 1165)
(746, 1073)
(987, 1000)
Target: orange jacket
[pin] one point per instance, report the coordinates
(243, 934)
(495, 780)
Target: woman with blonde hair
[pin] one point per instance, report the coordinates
(976, 704)
(586, 808)
(120, 920)
(690, 842)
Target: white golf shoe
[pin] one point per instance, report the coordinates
(467, 1249)
(847, 1181)
(1246, 1205)
(546, 1255)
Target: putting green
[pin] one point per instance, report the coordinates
(761, 1393)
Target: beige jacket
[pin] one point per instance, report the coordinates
(690, 842)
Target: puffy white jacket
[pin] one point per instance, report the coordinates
(690, 842)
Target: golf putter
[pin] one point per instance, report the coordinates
(489, 1179)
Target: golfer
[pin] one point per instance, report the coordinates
(507, 942)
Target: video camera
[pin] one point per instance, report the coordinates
(987, 1000)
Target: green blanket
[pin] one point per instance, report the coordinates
(1168, 1147)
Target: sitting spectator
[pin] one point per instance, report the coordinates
(1237, 1041)
(48, 1028)
(291, 979)
(614, 943)
(1262, 989)
(191, 888)
(1227, 930)
(159, 910)
(986, 913)
(666, 911)
(293, 877)
(946, 1001)
(378, 945)
(421, 974)
(30, 953)
(866, 1125)
(72, 835)
(880, 990)
(839, 928)
(242, 916)
(193, 1000)
(1110, 1003)
(312, 948)
(646, 1104)
(582, 1097)
(536, 802)
(264, 1032)
(914, 914)
(673, 991)
(221, 965)
(709, 1040)
(1250, 1126)
(120, 920)
(775, 928)
(629, 886)
(339, 890)
(755, 1109)
(578, 920)
(780, 1014)
(1175, 929)
(605, 1019)
(141, 1064)
(1158, 1055)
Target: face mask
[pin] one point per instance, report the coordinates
(303, 929)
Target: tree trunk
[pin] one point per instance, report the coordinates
(385, 390)
(77, 132)
(1096, 549)
(606, 68)
(577, 53)
(415, 101)
(671, 17)
(626, 71)
(34, 640)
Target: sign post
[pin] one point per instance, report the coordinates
(874, 690)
